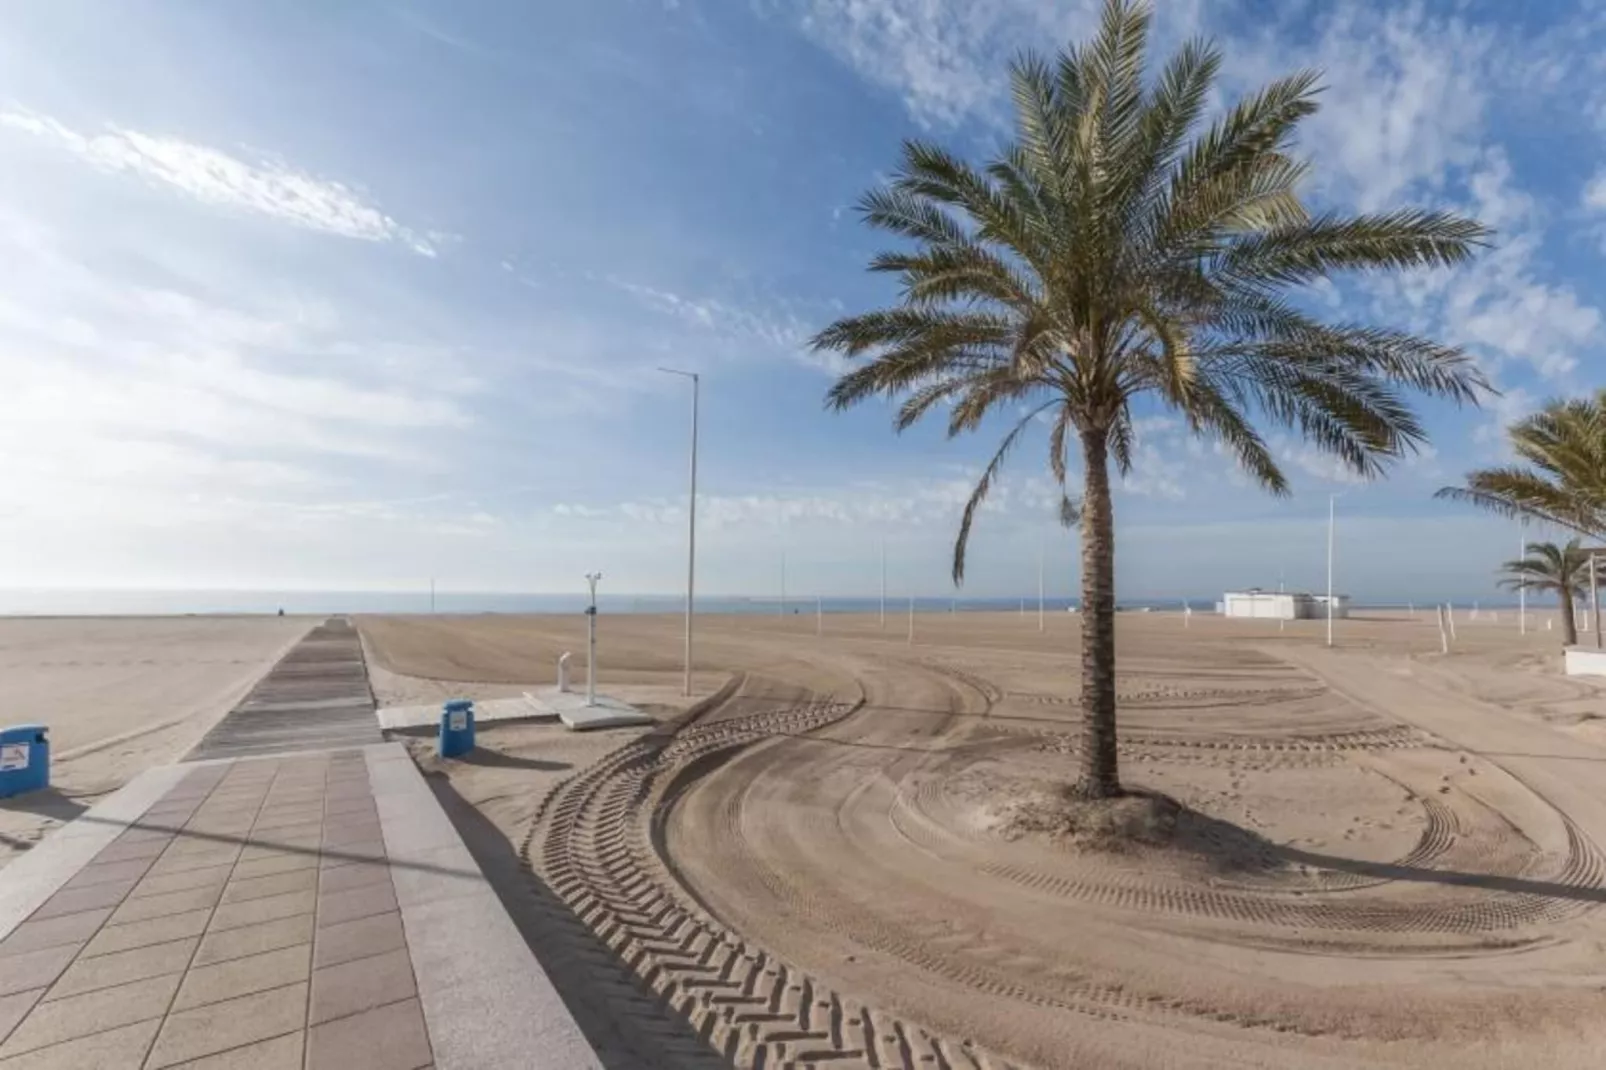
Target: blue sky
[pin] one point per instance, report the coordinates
(347, 295)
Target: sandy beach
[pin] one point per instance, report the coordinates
(848, 849)
(119, 695)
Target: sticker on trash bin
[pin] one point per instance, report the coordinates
(13, 756)
(457, 720)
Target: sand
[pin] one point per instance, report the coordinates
(1386, 857)
(120, 695)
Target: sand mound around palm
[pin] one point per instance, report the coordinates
(1139, 822)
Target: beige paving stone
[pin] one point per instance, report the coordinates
(34, 969)
(162, 884)
(115, 1049)
(353, 876)
(256, 911)
(358, 939)
(114, 938)
(107, 971)
(53, 932)
(297, 880)
(243, 976)
(281, 862)
(14, 1006)
(361, 985)
(386, 1038)
(74, 900)
(129, 852)
(276, 1053)
(354, 903)
(58, 1020)
(254, 939)
(217, 1027)
(183, 863)
(158, 906)
(101, 872)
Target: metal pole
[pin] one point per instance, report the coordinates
(781, 612)
(691, 522)
(591, 640)
(911, 621)
(819, 615)
(883, 583)
(432, 594)
(1332, 502)
(1039, 583)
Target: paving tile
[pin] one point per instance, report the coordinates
(108, 971)
(53, 932)
(183, 863)
(114, 938)
(361, 985)
(356, 875)
(275, 830)
(268, 908)
(74, 900)
(358, 939)
(277, 1053)
(217, 1027)
(354, 805)
(128, 852)
(115, 1049)
(351, 819)
(34, 969)
(14, 1006)
(98, 872)
(341, 835)
(386, 1038)
(288, 817)
(243, 976)
(158, 906)
(282, 862)
(59, 1020)
(253, 940)
(362, 851)
(165, 883)
(354, 903)
(297, 880)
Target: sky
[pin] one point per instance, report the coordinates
(333, 294)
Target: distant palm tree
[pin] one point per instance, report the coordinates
(1548, 567)
(1562, 477)
(1116, 254)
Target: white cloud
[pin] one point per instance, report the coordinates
(744, 329)
(267, 187)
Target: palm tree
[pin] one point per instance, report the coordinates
(1549, 567)
(1562, 474)
(1115, 255)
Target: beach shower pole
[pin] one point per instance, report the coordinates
(883, 583)
(432, 594)
(781, 612)
(911, 620)
(819, 615)
(1039, 583)
(1522, 592)
(1332, 505)
(1594, 600)
(591, 640)
(691, 520)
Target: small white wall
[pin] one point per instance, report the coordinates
(1585, 661)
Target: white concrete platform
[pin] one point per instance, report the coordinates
(570, 708)
(1585, 661)
(485, 711)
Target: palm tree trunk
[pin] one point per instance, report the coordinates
(1100, 776)
(1569, 623)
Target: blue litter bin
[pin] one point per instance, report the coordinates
(24, 759)
(457, 727)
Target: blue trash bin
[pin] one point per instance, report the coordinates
(24, 759)
(457, 728)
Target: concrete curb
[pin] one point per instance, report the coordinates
(486, 1000)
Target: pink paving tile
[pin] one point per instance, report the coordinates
(358, 939)
(74, 900)
(53, 932)
(34, 969)
(157, 906)
(296, 880)
(218, 1027)
(361, 985)
(386, 1038)
(256, 911)
(108, 872)
(162, 884)
(115, 1049)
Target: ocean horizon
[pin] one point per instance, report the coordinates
(171, 602)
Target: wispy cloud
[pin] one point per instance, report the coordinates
(266, 187)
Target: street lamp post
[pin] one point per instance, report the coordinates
(691, 520)
(1332, 506)
(591, 640)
